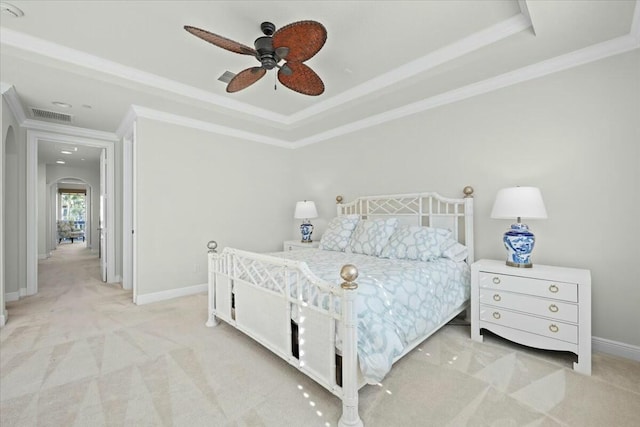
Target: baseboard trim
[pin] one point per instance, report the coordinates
(43, 256)
(170, 294)
(12, 296)
(616, 348)
(3, 318)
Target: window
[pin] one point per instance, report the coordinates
(73, 207)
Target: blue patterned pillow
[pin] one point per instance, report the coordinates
(338, 233)
(416, 243)
(370, 236)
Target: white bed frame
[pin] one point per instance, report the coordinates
(240, 281)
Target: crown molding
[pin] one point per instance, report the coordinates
(69, 130)
(126, 125)
(438, 57)
(635, 23)
(11, 96)
(164, 117)
(560, 63)
(450, 52)
(100, 65)
(524, 9)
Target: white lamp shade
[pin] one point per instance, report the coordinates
(519, 202)
(305, 210)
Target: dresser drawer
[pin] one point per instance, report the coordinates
(538, 306)
(525, 285)
(536, 325)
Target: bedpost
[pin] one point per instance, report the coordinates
(338, 203)
(468, 222)
(212, 245)
(350, 416)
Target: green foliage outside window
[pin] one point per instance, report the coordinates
(73, 206)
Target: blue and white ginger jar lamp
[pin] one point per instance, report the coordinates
(519, 202)
(306, 210)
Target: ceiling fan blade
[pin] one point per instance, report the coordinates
(222, 42)
(245, 78)
(304, 39)
(302, 79)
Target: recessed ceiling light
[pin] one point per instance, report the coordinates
(60, 162)
(66, 152)
(61, 104)
(10, 9)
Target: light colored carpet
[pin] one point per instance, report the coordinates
(81, 354)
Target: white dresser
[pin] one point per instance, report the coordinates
(544, 307)
(294, 245)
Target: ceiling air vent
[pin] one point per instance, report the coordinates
(226, 76)
(38, 113)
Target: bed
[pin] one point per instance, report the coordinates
(390, 271)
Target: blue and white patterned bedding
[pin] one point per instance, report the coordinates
(398, 300)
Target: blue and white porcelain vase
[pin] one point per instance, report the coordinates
(306, 229)
(519, 242)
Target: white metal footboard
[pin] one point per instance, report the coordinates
(261, 295)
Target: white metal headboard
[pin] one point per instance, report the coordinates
(428, 209)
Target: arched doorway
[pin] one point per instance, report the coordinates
(10, 240)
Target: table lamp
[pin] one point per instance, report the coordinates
(306, 210)
(519, 202)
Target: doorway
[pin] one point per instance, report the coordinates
(36, 214)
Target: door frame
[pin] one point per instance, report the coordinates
(33, 138)
(129, 209)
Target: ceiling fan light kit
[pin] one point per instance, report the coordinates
(293, 43)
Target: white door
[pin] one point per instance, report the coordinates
(102, 228)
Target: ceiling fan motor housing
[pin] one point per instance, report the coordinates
(266, 53)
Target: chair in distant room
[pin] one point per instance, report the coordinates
(68, 231)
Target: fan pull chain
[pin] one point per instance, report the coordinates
(275, 82)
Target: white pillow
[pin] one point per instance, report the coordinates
(371, 235)
(454, 250)
(338, 233)
(416, 243)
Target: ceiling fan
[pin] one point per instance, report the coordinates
(293, 43)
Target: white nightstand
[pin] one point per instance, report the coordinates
(544, 307)
(295, 245)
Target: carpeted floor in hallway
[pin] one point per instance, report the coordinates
(80, 353)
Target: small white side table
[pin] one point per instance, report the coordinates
(544, 307)
(296, 245)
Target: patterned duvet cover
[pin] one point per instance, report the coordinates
(398, 300)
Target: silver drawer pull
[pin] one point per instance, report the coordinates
(496, 315)
(496, 297)
(553, 288)
(496, 280)
(553, 308)
(553, 328)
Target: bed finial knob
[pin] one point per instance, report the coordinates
(338, 200)
(212, 245)
(468, 191)
(349, 274)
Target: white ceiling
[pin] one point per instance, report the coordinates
(382, 59)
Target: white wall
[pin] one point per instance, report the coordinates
(574, 134)
(194, 186)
